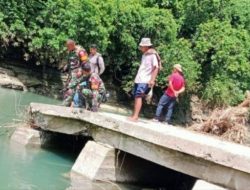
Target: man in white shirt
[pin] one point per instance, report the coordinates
(96, 60)
(146, 75)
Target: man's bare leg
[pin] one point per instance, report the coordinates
(137, 109)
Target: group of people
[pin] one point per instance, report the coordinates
(84, 88)
(145, 81)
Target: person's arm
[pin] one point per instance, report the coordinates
(170, 84)
(180, 91)
(66, 67)
(153, 77)
(102, 88)
(101, 64)
(176, 93)
(154, 72)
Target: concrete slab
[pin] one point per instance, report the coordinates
(69, 123)
(96, 162)
(182, 140)
(199, 145)
(203, 185)
(195, 154)
(100, 162)
(115, 109)
(27, 137)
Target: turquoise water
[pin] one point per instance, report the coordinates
(13, 104)
(31, 169)
(22, 168)
(34, 168)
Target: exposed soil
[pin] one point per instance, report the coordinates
(230, 123)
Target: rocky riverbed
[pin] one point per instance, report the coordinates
(49, 83)
(8, 80)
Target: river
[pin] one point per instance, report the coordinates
(32, 168)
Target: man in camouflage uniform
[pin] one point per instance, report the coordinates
(91, 88)
(73, 89)
(77, 56)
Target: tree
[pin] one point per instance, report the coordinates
(223, 52)
(133, 22)
(180, 52)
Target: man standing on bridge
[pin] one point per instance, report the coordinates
(175, 88)
(77, 56)
(146, 76)
(96, 60)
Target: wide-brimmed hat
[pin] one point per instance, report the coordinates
(178, 67)
(145, 42)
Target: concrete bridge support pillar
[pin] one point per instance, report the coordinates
(102, 162)
(27, 136)
(96, 162)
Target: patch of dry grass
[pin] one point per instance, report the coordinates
(230, 124)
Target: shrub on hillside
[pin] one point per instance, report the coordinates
(223, 53)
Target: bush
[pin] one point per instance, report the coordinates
(221, 91)
(180, 52)
(223, 52)
(41, 28)
(134, 22)
(238, 13)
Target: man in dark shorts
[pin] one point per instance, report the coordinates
(145, 78)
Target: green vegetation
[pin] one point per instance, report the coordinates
(210, 38)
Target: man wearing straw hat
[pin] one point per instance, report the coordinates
(146, 75)
(176, 86)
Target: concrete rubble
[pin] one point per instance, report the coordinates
(26, 136)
